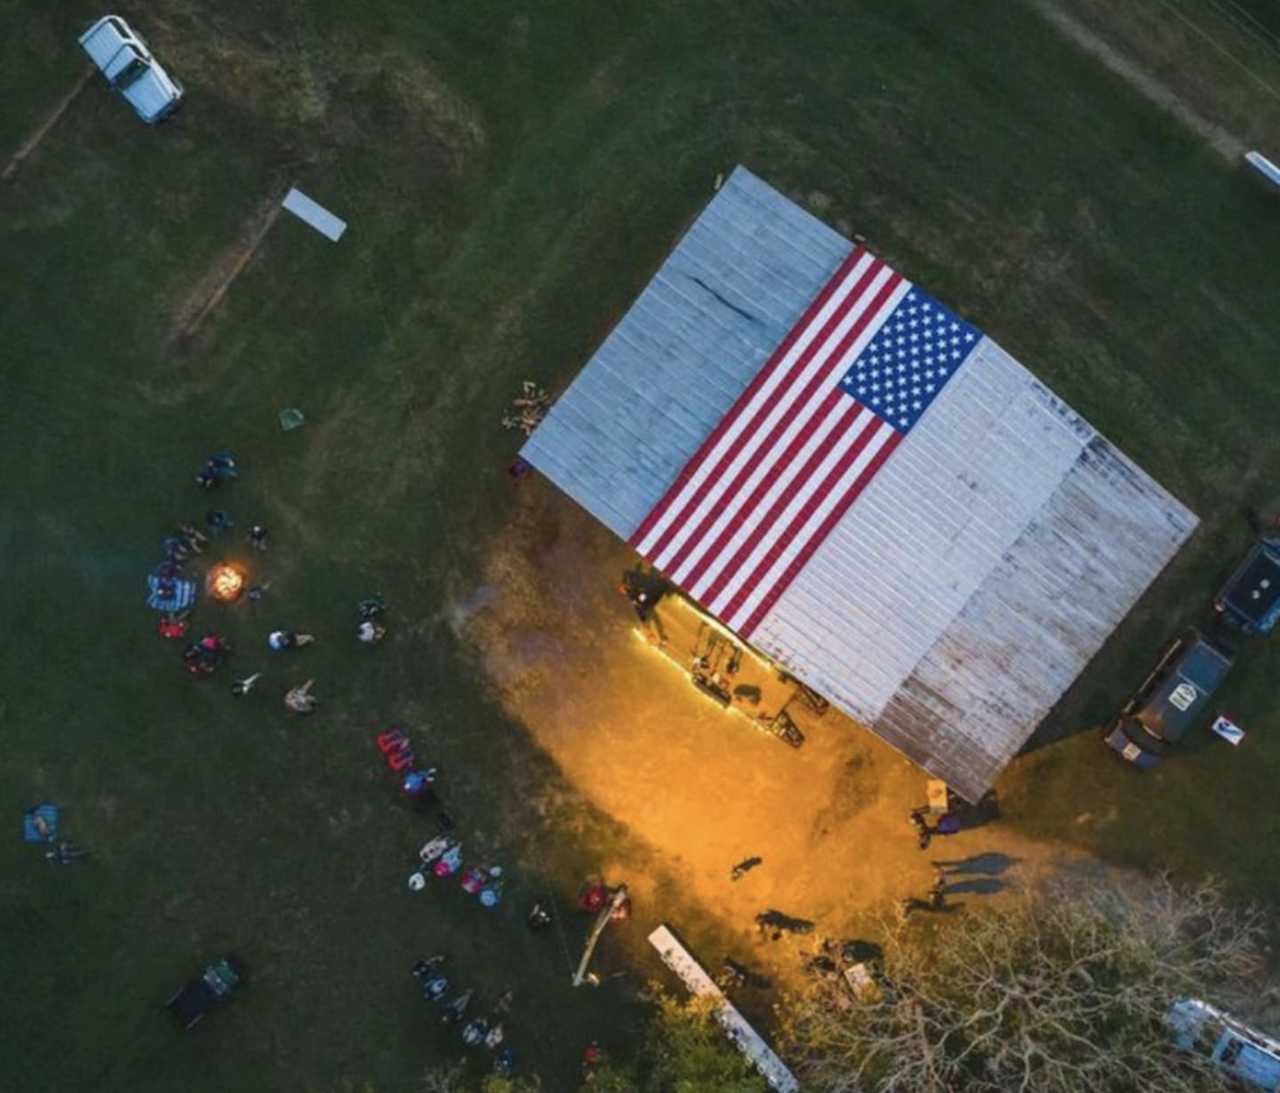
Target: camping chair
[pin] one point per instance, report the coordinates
(40, 824)
(391, 740)
(401, 761)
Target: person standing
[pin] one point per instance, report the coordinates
(300, 699)
(279, 640)
(216, 520)
(242, 687)
(370, 633)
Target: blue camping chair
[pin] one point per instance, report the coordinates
(170, 594)
(43, 815)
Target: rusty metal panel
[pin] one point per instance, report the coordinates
(977, 575)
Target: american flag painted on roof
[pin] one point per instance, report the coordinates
(939, 555)
(851, 378)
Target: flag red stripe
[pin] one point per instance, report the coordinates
(818, 414)
(779, 507)
(760, 413)
(833, 517)
(747, 506)
(744, 399)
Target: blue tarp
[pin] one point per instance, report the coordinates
(170, 593)
(47, 812)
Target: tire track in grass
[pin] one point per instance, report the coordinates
(1230, 147)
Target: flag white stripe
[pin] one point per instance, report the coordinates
(771, 536)
(768, 459)
(763, 395)
(820, 364)
(752, 521)
(734, 504)
(810, 528)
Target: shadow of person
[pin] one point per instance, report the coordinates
(990, 864)
(978, 886)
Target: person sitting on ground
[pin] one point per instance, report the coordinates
(474, 1031)
(206, 480)
(491, 893)
(222, 465)
(370, 608)
(242, 687)
(174, 548)
(422, 968)
(433, 989)
(288, 639)
(300, 699)
(494, 1037)
(65, 853)
(217, 520)
(173, 625)
(213, 647)
(370, 632)
(538, 918)
(431, 851)
(195, 539)
(417, 783)
(258, 537)
(450, 862)
(454, 1010)
(199, 659)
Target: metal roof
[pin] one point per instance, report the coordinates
(976, 575)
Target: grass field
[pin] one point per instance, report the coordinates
(511, 177)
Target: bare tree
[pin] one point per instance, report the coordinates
(1064, 992)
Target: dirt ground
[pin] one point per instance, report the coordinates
(699, 784)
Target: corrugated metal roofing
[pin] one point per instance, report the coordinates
(978, 572)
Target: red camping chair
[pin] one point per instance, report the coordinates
(401, 761)
(392, 740)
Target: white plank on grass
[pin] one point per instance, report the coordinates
(1264, 166)
(316, 215)
(745, 1038)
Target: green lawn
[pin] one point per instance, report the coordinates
(511, 179)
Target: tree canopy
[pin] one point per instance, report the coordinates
(1066, 991)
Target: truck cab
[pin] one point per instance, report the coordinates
(129, 67)
(1250, 1057)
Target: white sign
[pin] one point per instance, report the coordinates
(314, 214)
(1184, 694)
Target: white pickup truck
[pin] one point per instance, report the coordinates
(1252, 1058)
(124, 59)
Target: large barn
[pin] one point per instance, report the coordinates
(859, 483)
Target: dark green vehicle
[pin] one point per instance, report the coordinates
(1172, 699)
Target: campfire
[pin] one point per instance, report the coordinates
(225, 582)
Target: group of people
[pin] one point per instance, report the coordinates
(480, 1030)
(202, 657)
(442, 857)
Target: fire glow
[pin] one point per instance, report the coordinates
(225, 582)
